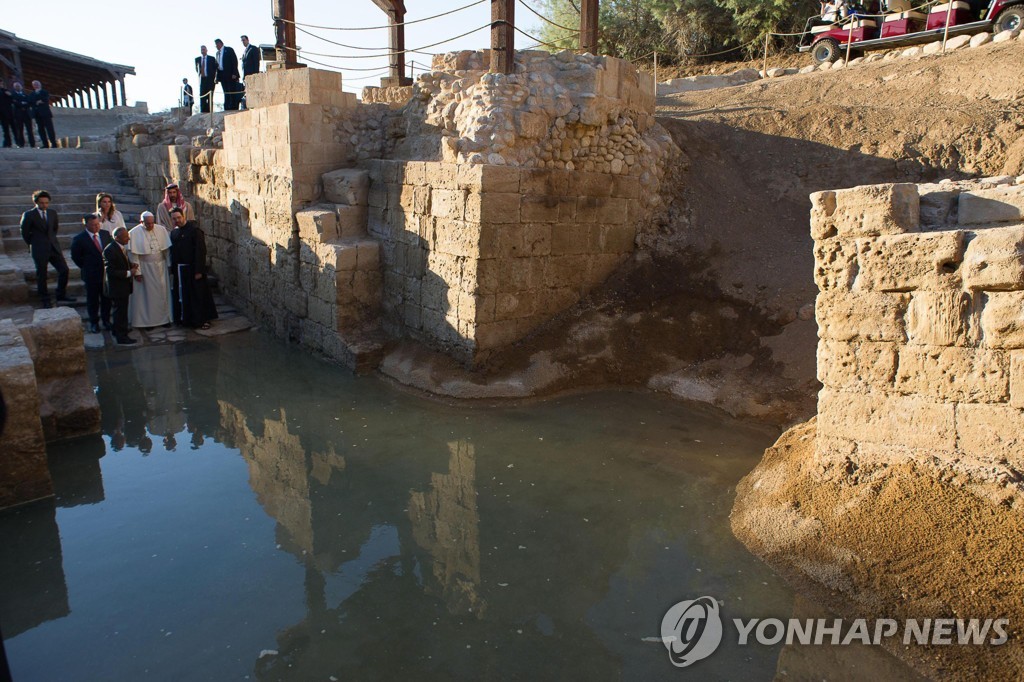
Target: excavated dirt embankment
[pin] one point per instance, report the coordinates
(717, 305)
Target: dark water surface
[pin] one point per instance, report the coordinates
(254, 513)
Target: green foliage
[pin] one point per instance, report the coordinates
(679, 30)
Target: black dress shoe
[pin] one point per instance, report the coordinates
(109, 327)
(65, 299)
(126, 341)
(94, 328)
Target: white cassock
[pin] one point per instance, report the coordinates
(150, 302)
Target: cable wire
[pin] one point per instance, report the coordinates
(565, 28)
(392, 54)
(375, 28)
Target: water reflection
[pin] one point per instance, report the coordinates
(279, 518)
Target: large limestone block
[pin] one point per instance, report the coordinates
(908, 262)
(846, 316)
(835, 263)
(910, 421)
(317, 224)
(352, 221)
(56, 340)
(998, 205)
(68, 408)
(954, 374)
(24, 474)
(866, 211)
(1002, 319)
(991, 433)
(939, 318)
(348, 186)
(1017, 379)
(857, 366)
(994, 260)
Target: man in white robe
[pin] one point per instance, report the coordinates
(149, 247)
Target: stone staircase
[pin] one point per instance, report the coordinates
(73, 177)
(341, 273)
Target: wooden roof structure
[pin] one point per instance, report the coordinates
(67, 76)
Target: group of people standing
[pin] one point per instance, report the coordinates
(223, 69)
(20, 109)
(149, 276)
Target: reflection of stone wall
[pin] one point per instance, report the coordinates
(445, 523)
(277, 473)
(921, 324)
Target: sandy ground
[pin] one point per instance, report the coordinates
(895, 542)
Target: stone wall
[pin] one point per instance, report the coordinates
(477, 256)
(493, 201)
(921, 325)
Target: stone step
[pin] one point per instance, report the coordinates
(20, 195)
(72, 211)
(57, 177)
(98, 163)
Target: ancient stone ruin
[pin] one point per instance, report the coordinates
(464, 219)
(921, 325)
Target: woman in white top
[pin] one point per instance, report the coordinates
(110, 217)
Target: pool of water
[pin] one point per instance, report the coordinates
(254, 513)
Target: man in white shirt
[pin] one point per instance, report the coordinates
(206, 69)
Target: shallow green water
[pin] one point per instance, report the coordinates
(245, 499)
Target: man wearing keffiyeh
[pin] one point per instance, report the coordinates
(173, 199)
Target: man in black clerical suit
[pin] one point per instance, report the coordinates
(227, 75)
(118, 286)
(39, 228)
(6, 113)
(206, 69)
(22, 117)
(40, 100)
(87, 253)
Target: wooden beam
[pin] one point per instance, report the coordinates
(395, 9)
(284, 30)
(503, 18)
(588, 25)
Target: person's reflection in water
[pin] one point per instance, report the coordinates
(197, 439)
(121, 400)
(170, 442)
(145, 445)
(160, 378)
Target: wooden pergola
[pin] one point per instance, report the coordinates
(503, 13)
(73, 80)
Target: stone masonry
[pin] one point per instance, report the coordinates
(921, 324)
(465, 219)
(48, 395)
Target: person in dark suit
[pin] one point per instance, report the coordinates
(40, 100)
(6, 113)
(187, 100)
(227, 75)
(87, 253)
(22, 117)
(39, 228)
(120, 278)
(206, 69)
(250, 58)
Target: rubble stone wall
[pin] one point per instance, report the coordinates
(921, 324)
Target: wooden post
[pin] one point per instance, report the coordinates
(395, 9)
(503, 18)
(655, 74)
(284, 33)
(588, 26)
(945, 32)
(849, 39)
(764, 69)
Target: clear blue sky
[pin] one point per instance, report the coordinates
(161, 40)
